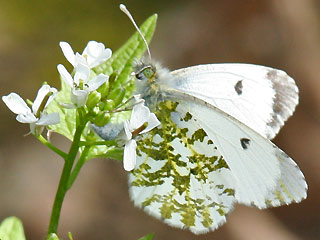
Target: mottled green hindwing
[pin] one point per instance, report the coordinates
(180, 175)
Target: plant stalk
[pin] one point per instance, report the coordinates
(63, 184)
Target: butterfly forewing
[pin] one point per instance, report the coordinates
(262, 98)
(181, 177)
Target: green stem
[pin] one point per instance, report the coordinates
(63, 184)
(78, 166)
(52, 147)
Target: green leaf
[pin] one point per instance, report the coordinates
(11, 228)
(147, 237)
(67, 125)
(98, 152)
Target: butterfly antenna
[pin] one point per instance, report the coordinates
(125, 10)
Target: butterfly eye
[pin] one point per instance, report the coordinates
(146, 73)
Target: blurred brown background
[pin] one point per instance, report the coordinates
(284, 34)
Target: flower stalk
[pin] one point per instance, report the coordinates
(64, 180)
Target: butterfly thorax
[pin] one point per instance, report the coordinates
(151, 82)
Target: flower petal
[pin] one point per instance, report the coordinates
(16, 104)
(93, 49)
(68, 105)
(152, 123)
(96, 53)
(128, 134)
(140, 115)
(42, 93)
(129, 155)
(137, 98)
(110, 131)
(68, 52)
(79, 59)
(26, 118)
(82, 73)
(65, 75)
(50, 119)
(34, 129)
(79, 97)
(53, 95)
(96, 82)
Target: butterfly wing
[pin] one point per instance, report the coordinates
(180, 176)
(262, 98)
(253, 160)
(192, 169)
(291, 186)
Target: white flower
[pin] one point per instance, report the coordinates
(94, 54)
(80, 84)
(37, 117)
(141, 121)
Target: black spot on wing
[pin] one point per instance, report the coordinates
(244, 142)
(238, 87)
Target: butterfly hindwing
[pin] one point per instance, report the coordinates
(264, 175)
(262, 98)
(180, 175)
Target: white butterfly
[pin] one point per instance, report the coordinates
(212, 149)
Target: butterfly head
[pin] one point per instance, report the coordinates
(145, 72)
(146, 76)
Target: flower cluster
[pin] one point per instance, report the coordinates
(81, 85)
(93, 101)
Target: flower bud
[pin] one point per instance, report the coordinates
(102, 119)
(104, 89)
(93, 98)
(112, 79)
(117, 96)
(108, 105)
